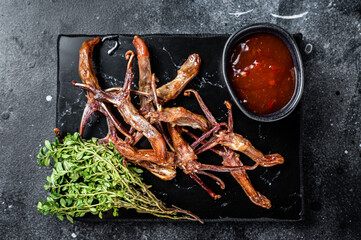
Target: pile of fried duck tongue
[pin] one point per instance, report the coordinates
(163, 127)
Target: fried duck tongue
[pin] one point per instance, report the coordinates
(185, 74)
(143, 157)
(181, 117)
(230, 158)
(130, 114)
(146, 83)
(166, 92)
(238, 143)
(86, 73)
(145, 73)
(186, 159)
(165, 173)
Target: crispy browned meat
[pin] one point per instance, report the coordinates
(130, 114)
(237, 142)
(165, 173)
(86, 70)
(145, 73)
(86, 73)
(230, 158)
(181, 117)
(145, 158)
(185, 74)
(233, 140)
(146, 85)
(218, 137)
(133, 154)
(186, 159)
(167, 92)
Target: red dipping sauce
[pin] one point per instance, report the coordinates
(261, 72)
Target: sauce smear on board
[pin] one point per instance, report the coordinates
(261, 72)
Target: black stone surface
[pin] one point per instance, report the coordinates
(281, 184)
(331, 109)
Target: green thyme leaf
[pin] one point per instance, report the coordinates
(89, 177)
(69, 218)
(48, 145)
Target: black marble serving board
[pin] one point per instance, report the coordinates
(281, 184)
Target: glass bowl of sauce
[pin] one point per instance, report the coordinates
(263, 71)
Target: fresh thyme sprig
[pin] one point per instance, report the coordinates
(92, 178)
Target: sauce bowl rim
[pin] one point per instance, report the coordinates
(297, 63)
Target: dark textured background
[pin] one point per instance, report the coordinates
(331, 109)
